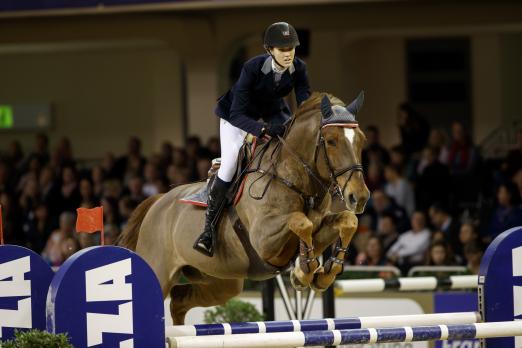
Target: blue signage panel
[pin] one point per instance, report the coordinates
(24, 281)
(107, 297)
(500, 283)
(42, 5)
(449, 302)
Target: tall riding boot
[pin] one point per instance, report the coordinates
(216, 200)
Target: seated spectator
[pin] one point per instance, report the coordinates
(125, 208)
(437, 140)
(111, 233)
(442, 220)
(203, 165)
(37, 228)
(374, 152)
(440, 254)
(69, 247)
(508, 213)
(410, 248)
(151, 173)
(11, 220)
(87, 197)
(69, 198)
(513, 161)
(132, 163)
(468, 233)
(98, 178)
(473, 253)
(110, 210)
(387, 231)
(7, 177)
(374, 179)
(214, 147)
(373, 254)
(381, 204)
(399, 189)
(438, 236)
(414, 129)
(517, 180)
(55, 252)
(87, 240)
(135, 189)
(15, 155)
(433, 182)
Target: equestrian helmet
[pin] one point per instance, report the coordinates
(281, 34)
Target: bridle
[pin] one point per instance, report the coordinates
(333, 187)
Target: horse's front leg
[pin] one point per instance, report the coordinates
(303, 273)
(345, 224)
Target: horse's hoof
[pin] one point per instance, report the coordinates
(296, 283)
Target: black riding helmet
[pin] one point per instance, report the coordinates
(280, 34)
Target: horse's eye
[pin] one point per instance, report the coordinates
(331, 142)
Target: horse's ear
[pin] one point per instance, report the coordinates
(326, 107)
(357, 104)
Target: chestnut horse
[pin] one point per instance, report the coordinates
(285, 211)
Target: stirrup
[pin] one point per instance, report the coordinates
(202, 248)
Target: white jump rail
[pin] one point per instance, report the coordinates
(406, 284)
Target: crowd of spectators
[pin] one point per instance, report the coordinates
(434, 200)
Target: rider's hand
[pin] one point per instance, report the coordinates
(274, 130)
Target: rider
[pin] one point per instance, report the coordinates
(258, 94)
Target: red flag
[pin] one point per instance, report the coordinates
(89, 220)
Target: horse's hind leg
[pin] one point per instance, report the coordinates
(303, 272)
(210, 293)
(345, 224)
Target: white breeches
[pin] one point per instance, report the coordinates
(231, 139)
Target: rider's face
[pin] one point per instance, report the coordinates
(283, 55)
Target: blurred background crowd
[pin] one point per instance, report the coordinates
(435, 199)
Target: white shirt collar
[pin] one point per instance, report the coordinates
(268, 64)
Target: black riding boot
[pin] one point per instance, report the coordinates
(216, 199)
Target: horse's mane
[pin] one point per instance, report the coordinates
(314, 103)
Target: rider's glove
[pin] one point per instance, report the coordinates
(273, 130)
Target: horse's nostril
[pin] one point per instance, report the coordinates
(352, 199)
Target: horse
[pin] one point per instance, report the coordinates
(287, 214)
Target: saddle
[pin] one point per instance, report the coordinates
(246, 154)
(258, 268)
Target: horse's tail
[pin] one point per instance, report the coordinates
(129, 236)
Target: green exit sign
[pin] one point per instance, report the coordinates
(24, 116)
(6, 116)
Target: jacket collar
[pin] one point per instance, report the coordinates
(267, 66)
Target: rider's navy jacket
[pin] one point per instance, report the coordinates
(256, 95)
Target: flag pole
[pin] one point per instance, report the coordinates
(1, 228)
(102, 227)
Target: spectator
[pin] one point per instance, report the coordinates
(133, 162)
(374, 152)
(110, 210)
(56, 249)
(374, 180)
(87, 197)
(468, 233)
(7, 179)
(513, 161)
(98, 178)
(69, 198)
(473, 253)
(150, 187)
(135, 189)
(214, 148)
(440, 255)
(373, 254)
(203, 165)
(438, 141)
(125, 208)
(410, 248)
(399, 188)
(40, 152)
(434, 182)
(413, 128)
(11, 219)
(111, 234)
(166, 156)
(387, 231)
(382, 204)
(15, 155)
(37, 228)
(508, 213)
(442, 220)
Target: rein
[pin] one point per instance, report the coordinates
(310, 201)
